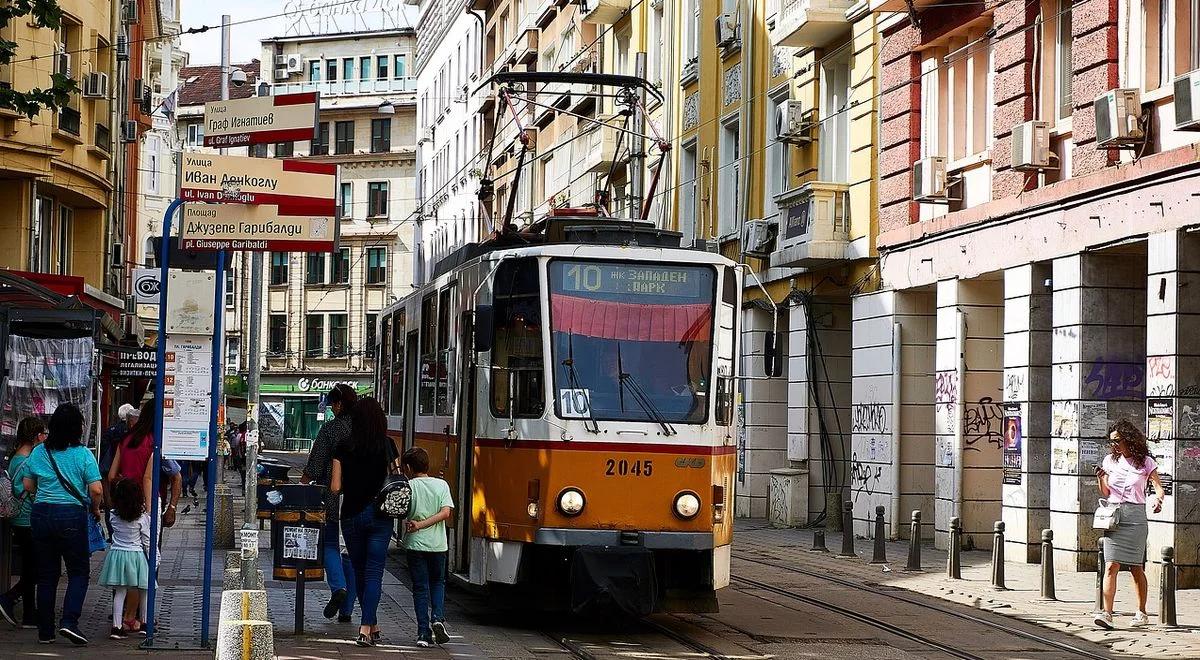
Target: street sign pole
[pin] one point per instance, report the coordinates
(213, 431)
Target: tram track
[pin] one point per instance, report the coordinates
(1033, 637)
(579, 648)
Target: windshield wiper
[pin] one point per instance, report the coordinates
(639, 395)
(574, 382)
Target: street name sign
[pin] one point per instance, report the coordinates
(261, 120)
(254, 228)
(297, 187)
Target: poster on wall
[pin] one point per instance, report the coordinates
(1013, 440)
(1160, 419)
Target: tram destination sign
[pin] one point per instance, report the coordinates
(259, 228)
(679, 282)
(261, 120)
(297, 187)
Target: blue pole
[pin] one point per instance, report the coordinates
(213, 430)
(161, 351)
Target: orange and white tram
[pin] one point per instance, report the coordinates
(578, 396)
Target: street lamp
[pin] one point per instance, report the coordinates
(387, 108)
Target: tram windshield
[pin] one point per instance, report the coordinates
(631, 341)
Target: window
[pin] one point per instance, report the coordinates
(152, 148)
(314, 70)
(341, 266)
(66, 217)
(833, 143)
(348, 68)
(344, 137)
(284, 149)
(1171, 34)
(230, 288)
(376, 265)
(314, 335)
(43, 234)
(692, 43)
(956, 97)
(1054, 41)
(370, 341)
(331, 70)
(320, 142)
(258, 151)
(195, 134)
(399, 69)
(381, 135)
(399, 362)
(779, 166)
(654, 57)
(1064, 70)
(517, 351)
(364, 68)
(279, 268)
(427, 387)
(314, 268)
(346, 200)
(729, 179)
(338, 335)
(277, 329)
(381, 67)
(445, 356)
(687, 195)
(624, 61)
(377, 199)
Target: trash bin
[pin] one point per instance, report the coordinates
(271, 476)
(297, 522)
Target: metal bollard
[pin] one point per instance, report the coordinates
(847, 530)
(998, 555)
(954, 554)
(818, 544)
(1100, 575)
(1166, 593)
(914, 543)
(1048, 565)
(879, 556)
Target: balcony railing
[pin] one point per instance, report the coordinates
(809, 23)
(346, 87)
(814, 224)
(68, 120)
(103, 138)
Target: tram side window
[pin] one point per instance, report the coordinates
(444, 355)
(383, 365)
(517, 350)
(399, 377)
(427, 387)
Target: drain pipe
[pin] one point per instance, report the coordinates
(960, 345)
(894, 510)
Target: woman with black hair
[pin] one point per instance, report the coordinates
(31, 432)
(65, 480)
(338, 571)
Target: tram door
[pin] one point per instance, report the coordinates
(461, 560)
(412, 361)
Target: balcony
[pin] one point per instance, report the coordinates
(68, 120)
(597, 150)
(334, 88)
(810, 23)
(527, 46)
(814, 225)
(603, 12)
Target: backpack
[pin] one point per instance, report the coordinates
(10, 504)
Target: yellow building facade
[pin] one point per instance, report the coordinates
(55, 170)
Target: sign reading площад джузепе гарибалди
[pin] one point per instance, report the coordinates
(255, 228)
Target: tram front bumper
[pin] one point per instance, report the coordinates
(613, 537)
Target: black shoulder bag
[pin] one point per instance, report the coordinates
(395, 496)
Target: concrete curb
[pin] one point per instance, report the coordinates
(233, 580)
(243, 604)
(245, 639)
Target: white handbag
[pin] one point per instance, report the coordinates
(1107, 516)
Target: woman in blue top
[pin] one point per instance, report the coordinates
(65, 480)
(30, 433)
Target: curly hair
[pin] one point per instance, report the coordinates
(128, 499)
(1134, 440)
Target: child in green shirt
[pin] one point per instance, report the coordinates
(425, 545)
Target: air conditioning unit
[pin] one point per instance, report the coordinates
(295, 63)
(129, 12)
(95, 86)
(129, 131)
(122, 48)
(929, 179)
(789, 123)
(1119, 119)
(281, 60)
(1187, 101)
(758, 238)
(62, 63)
(726, 31)
(281, 74)
(1031, 146)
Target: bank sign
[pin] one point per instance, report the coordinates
(254, 228)
(310, 385)
(261, 120)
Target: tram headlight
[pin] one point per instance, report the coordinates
(687, 505)
(571, 501)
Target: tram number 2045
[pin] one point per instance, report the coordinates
(624, 468)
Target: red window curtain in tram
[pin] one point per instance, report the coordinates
(631, 321)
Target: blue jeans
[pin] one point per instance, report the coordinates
(367, 536)
(338, 571)
(428, 573)
(60, 536)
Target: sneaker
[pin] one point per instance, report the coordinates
(6, 611)
(376, 637)
(28, 626)
(439, 632)
(345, 618)
(1140, 619)
(45, 641)
(423, 643)
(74, 635)
(1103, 620)
(118, 633)
(335, 603)
(364, 640)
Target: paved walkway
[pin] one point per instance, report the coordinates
(1071, 613)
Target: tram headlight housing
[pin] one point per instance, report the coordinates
(571, 502)
(687, 505)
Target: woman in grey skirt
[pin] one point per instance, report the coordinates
(1122, 478)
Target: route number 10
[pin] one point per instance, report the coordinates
(576, 404)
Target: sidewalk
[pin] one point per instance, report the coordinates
(1071, 613)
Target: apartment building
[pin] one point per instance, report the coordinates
(321, 308)
(447, 63)
(1037, 241)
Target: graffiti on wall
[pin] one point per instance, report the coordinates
(1014, 386)
(983, 422)
(945, 397)
(864, 478)
(1160, 375)
(1116, 379)
(870, 418)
